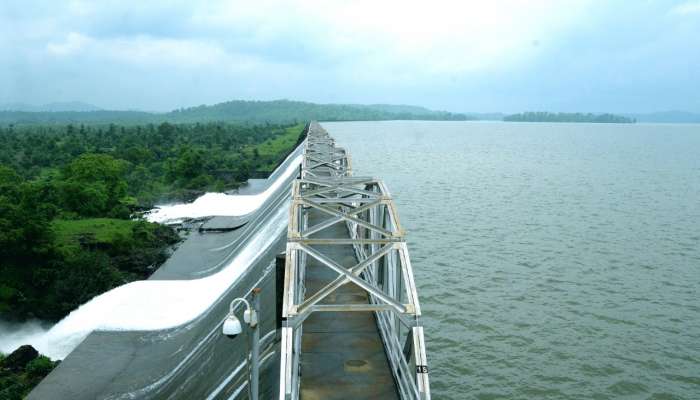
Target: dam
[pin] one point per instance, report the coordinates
(339, 313)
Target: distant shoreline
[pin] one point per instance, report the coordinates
(569, 117)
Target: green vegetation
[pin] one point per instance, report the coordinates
(134, 246)
(21, 371)
(101, 231)
(260, 112)
(268, 153)
(568, 117)
(51, 264)
(156, 162)
(67, 194)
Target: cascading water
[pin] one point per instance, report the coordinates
(13, 335)
(151, 304)
(220, 203)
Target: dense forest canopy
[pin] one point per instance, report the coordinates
(240, 111)
(568, 117)
(156, 161)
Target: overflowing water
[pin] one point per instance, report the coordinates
(221, 204)
(14, 335)
(147, 305)
(554, 261)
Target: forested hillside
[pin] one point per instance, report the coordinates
(249, 112)
(284, 111)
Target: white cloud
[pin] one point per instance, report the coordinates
(689, 7)
(425, 38)
(163, 53)
(383, 40)
(150, 52)
(363, 41)
(73, 43)
(464, 55)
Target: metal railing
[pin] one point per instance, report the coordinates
(383, 270)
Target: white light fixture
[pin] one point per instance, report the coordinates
(232, 328)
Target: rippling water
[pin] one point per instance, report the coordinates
(557, 261)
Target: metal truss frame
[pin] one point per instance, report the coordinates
(383, 270)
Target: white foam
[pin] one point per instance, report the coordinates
(151, 304)
(14, 335)
(221, 204)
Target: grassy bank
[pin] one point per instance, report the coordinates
(272, 151)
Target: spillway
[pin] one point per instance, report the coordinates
(149, 339)
(157, 304)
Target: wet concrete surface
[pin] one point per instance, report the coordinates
(223, 223)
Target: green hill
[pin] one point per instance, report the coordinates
(277, 111)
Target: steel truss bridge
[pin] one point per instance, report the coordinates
(351, 315)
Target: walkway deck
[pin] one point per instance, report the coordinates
(342, 356)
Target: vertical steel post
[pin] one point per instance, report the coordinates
(280, 260)
(255, 349)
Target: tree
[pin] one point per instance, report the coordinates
(94, 185)
(166, 130)
(26, 241)
(85, 275)
(25, 234)
(189, 164)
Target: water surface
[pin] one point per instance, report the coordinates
(556, 261)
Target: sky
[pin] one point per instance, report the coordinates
(461, 56)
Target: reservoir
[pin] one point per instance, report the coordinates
(554, 261)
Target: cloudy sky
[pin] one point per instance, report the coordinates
(503, 55)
